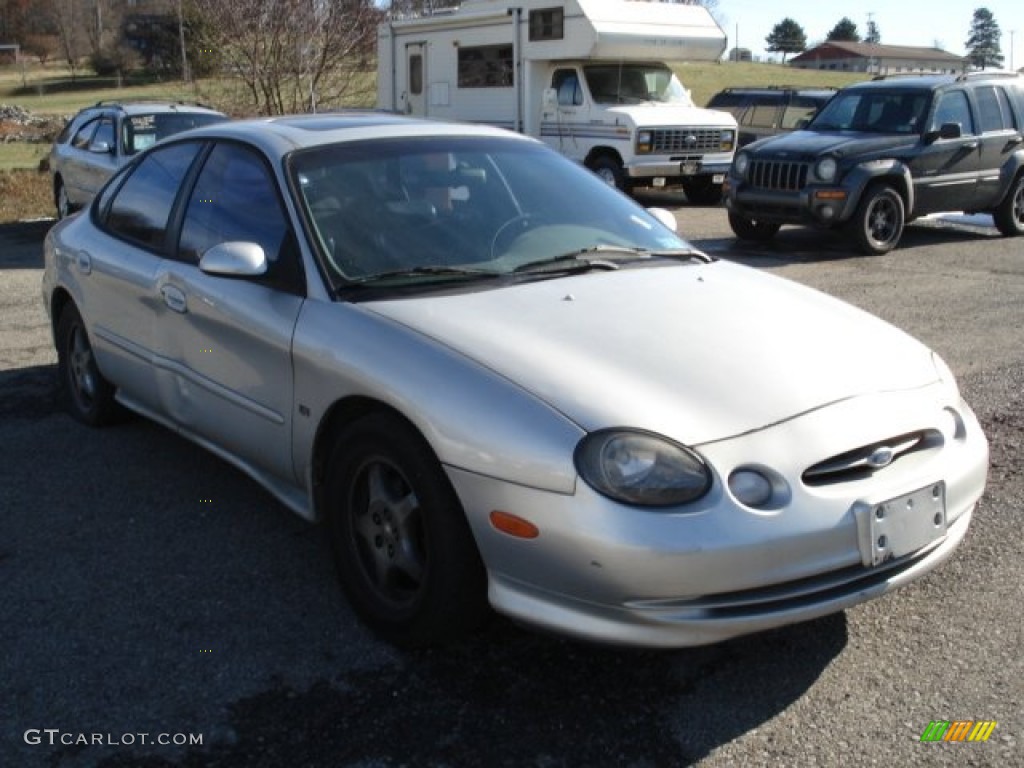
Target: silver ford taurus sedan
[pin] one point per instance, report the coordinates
(500, 382)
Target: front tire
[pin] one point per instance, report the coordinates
(404, 552)
(85, 393)
(878, 223)
(1009, 215)
(752, 229)
(610, 171)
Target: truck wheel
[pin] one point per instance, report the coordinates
(702, 191)
(752, 229)
(405, 555)
(877, 225)
(1009, 215)
(609, 170)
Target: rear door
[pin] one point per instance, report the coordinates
(1000, 138)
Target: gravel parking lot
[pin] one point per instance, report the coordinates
(152, 594)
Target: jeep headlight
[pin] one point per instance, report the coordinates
(741, 163)
(825, 169)
(641, 468)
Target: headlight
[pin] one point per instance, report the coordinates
(641, 468)
(726, 140)
(644, 141)
(741, 163)
(825, 170)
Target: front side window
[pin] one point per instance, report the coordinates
(567, 85)
(485, 66)
(104, 136)
(142, 205)
(953, 108)
(84, 134)
(235, 200)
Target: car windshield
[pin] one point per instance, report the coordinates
(144, 130)
(421, 210)
(874, 111)
(635, 83)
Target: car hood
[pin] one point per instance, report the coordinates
(697, 353)
(839, 143)
(654, 114)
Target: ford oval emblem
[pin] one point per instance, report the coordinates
(882, 456)
(691, 140)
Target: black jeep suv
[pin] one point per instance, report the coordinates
(884, 152)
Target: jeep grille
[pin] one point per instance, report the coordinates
(686, 140)
(778, 175)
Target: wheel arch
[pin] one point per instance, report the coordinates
(603, 151)
(59, 301)
(890, 172)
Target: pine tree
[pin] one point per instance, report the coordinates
(845, 30)
(983, 44)
(786, 37)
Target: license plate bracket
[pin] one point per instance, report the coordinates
(901, 525)
(689, 168)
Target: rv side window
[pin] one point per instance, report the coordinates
(416, 74)
(485, 66)
(546, 24)
(567, 83)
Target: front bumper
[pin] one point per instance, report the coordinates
(679, 167)
(717, 569)
(811, 206)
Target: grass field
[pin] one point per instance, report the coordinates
(26, 193)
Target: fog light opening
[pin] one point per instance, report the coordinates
(751, 488)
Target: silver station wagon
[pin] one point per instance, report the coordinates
(501, 383)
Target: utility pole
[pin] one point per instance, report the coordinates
(185, 75)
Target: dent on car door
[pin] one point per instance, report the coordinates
(226, 341)
(119, 264)
(946, 170)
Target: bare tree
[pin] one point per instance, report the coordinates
(293, 55)
(65, 15)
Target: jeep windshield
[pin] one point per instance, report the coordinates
(635, 84)
(874, 111)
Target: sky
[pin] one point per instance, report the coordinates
(922, 23)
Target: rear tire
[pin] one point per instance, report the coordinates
(61, 200)
(404, 552)
(1009, 215)
(82, 389)
(753, 229)
(877, 225)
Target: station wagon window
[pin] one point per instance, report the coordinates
(799, 109)
(485, 66)
(104, 135)
(235, 199)
(953, 108)
(84, 134)
(547, 24)
(142, 206)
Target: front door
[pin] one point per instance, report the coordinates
(946, 171)
(225, 343)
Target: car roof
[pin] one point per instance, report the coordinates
(147, 106)
(280, 135)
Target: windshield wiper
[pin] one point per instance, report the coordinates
(453, 273)
(575, 262)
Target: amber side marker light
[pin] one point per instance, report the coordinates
(514, 525)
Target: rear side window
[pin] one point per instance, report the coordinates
(993, 109)
(763, 114)
(801, 108)
(142, 206)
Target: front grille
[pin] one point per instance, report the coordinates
(664, 140)
(782, 175)
(864, 461)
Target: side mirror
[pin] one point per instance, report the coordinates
(101, 148)
(946, 131)
(234, 259)
(665, 217)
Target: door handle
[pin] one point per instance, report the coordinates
(174, 298)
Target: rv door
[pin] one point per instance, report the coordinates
(562, 110)
(415, 79)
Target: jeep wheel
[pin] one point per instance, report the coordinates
(702, 191)
(877, 225)
(1009, 215)
(752, 229)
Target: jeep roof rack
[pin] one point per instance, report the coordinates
(987, 73)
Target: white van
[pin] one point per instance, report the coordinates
(588, 77)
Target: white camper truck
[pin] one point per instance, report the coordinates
(588, 77)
